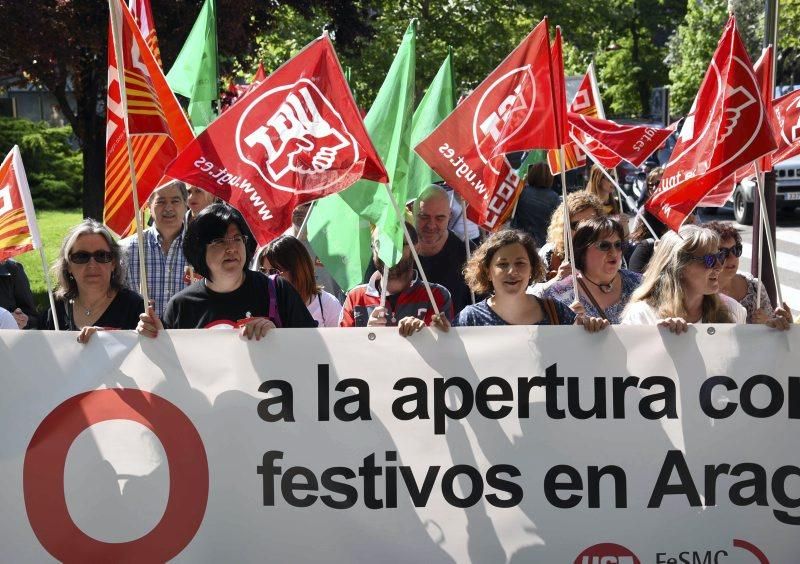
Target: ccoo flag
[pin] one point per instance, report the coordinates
(156, 122)
(511, 110)
(727, 128)
(19, 232)
(294, 138)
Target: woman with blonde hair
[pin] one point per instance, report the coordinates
(91, 294)
(599, 185)
(681, 284)
(581, 205)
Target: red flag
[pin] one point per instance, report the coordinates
(786, 123)
(722, 191)
(157, 124)
(143, 15)
(294, 138)
(727, 128)
(559, 89)
(633, 143)
(511, 110)
(236, 91)
(19, 232)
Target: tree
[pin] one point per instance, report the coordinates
(59, 43)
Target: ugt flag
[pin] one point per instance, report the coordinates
(511, 110)
(19, 232)
(727, 128)
(296, 137)
(787, 125)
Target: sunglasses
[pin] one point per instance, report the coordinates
(83, 257)
(270, 271)
(605, 246)
(736, 251)
(710, 260)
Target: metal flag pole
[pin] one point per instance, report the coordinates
(569, 253)
(766, 235)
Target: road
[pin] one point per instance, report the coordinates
(787, 247)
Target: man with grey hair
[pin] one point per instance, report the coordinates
(441, 252)
(163, 246)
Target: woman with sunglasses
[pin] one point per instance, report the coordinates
(681, 284)
(742, 286)
(287, 257)
(219, 245)
(604, 287)
(91, 294)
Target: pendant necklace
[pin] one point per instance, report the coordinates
(605, 288)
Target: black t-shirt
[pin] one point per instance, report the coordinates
(197, 307)
(122, 313)
(445, 268)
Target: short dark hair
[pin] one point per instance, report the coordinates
(591, 230)
(212, 223)
(539, 175)
(724, 230)
(476, 271)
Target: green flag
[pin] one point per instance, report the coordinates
(194, 73)
(532, 157)
(438, 102)
(339, 226)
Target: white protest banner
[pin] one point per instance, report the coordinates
(482, 445)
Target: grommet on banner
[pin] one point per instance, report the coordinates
(371, 336)
(711, 330)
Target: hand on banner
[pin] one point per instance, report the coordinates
(377, 318)
(257, 327)
(410, 325)
(86, 334)
(149, 323)
(676, 325)
(441, 322)
(20, 318)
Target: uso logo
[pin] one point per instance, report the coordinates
(46, 457)
(607, 553)
(292, 136)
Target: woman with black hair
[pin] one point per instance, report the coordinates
(219, 245)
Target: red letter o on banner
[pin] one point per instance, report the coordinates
(46, 457)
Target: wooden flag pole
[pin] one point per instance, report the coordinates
(304, 225)
(466, 237)
(115, 32)
(407, 235)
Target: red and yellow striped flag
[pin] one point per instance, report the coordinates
(157, 124)
(143, 15)
(18, 229)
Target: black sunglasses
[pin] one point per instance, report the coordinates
(82, 257)
(736, 251)
(605, 246)
(710, 260)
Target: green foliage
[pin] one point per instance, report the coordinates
(54, 168)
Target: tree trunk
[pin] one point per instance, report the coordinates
(94, 153)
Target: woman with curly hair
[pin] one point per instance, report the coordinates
(504, 266)
(681, 284)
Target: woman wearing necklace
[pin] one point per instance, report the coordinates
(681, 284)
(604, 287)
(504, 266)
(219, 245)
(91, 294)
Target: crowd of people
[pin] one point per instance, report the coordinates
(203, 270)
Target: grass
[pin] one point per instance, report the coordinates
(53, 225)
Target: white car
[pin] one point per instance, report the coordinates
(787, 191)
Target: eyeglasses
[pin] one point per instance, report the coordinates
(83, 257)
(710, 260)
(605, 246)
(223, 242)
(736, 251)
(270, 271)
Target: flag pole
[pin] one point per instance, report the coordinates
(639, 213)
(304, 225)
(569, 253)
(466, 237)
(413, 249)
(384, 284)
(765, 235)
(49, 288)
(115, 32)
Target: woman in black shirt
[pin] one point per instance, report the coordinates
(91, 294)
(219, 245)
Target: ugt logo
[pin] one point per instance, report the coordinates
(295, 139)
(502, 112)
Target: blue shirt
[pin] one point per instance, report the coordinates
(563, 292)
(166, 274)
(481, 315)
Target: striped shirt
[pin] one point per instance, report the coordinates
(166, 274)
(413, 301)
